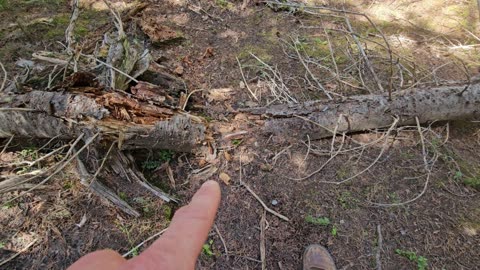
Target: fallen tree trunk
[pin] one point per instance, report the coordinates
(319, 119)
(135, 124)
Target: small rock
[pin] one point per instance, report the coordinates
(342, 221)
(265, 167)
(241, 85)
(274, 202)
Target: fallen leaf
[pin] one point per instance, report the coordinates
(227, 155)
(225, 178)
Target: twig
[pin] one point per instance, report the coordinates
(309, 71)
(365, 57)
(263, 204)
(142, 243)
(188, 97)
(332, 55)
(433, 71)
(110, 66)
(324, 164)
(283, 91)
(263, 222)
(69, 38)
(395, 121)
(61, 167)
(31, 163)
(478, 7)
(5, 75)
(6, 145)
(221, 239)
(427, 169)
(379, 247)
(245, 80)
(102, 164)
(118, 20)
(18, 253)
(309, 146)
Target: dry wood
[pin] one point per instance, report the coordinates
(136, 124)
(104, 192)
(318, 119)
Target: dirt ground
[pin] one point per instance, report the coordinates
(240, 54)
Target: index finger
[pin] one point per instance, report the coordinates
(181, 244)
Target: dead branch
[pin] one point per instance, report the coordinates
(360, 113)
(263, 223)
(102, 191)
(5, 75)
(263, 204)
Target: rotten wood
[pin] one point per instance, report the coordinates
(135, 123)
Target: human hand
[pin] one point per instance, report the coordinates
(177, 249)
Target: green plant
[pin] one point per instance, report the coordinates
(67, 185)
(334, 231)
(146, 204)
(165, 155)
(8, 205)
(29, 153)
(122, 195)
(207, 248)
(159, 158)
(413, 257)
(128, 233)
(346, 200)
(151, 164)
(458, 175)
(167, 212)
(343, 172)
(3, 4)
(2, 244)
(473, 181)
(323, 221)
(394, 197)
(134, 252)
(236, 142)
(222, 3)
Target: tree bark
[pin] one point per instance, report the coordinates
(136, 124)
(318, 119)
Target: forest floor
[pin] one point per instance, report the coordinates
(363, 206)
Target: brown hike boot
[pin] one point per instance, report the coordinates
(317, 257)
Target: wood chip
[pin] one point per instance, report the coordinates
(225, 178)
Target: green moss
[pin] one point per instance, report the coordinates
(343, 172)
(4, 5)
(225, 4)
(323, 221)
(261, 52)
(412, 256)
(473, 181)
(347, 201)
(55, 30)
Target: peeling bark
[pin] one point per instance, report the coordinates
(136, 124)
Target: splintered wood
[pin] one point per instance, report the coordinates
(137, 122)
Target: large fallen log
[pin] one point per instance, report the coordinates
(319, 119)
(135, 124)
(146, 119)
